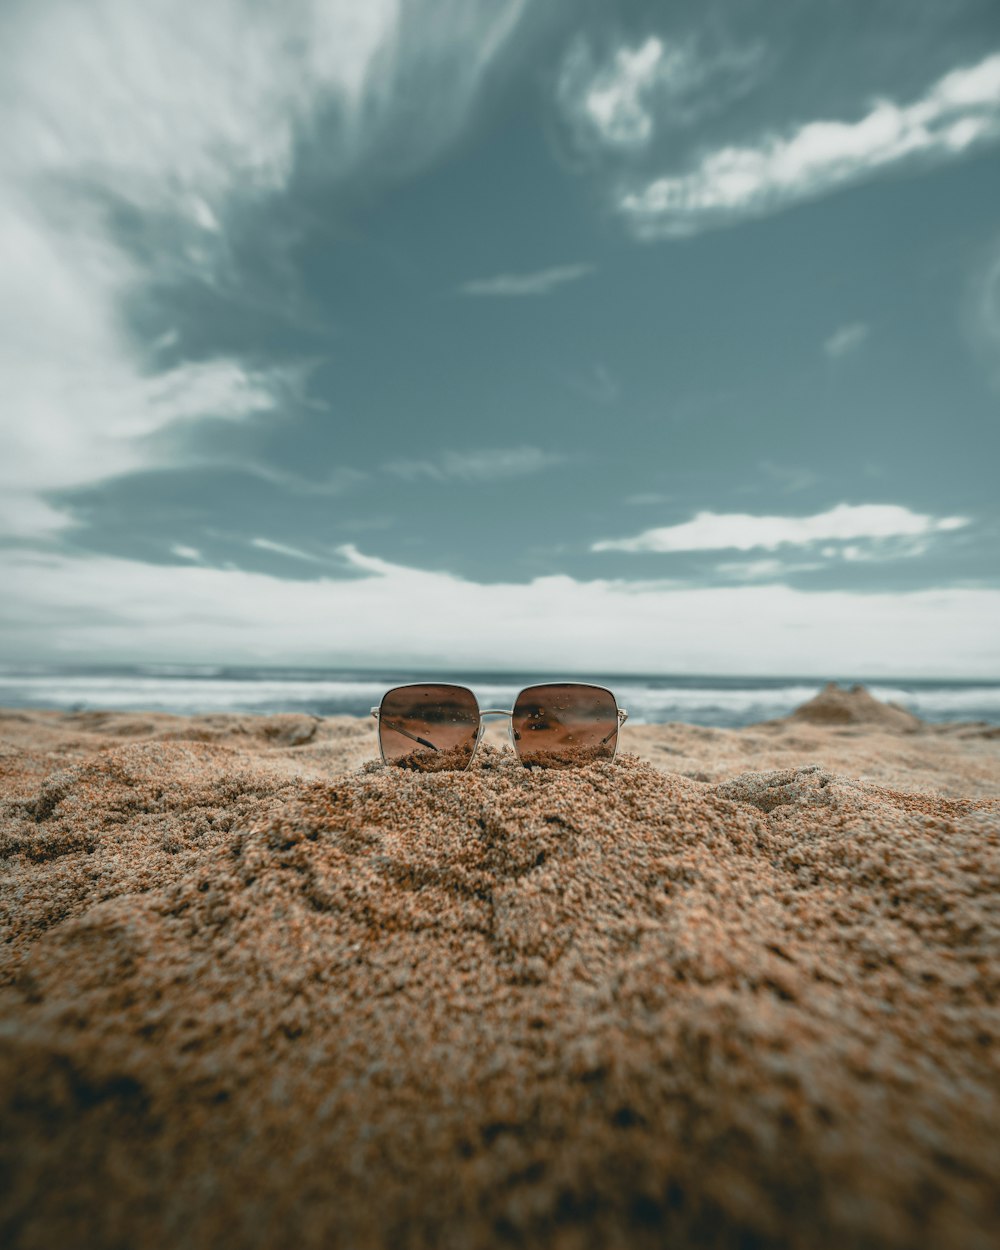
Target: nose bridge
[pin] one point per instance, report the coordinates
(496, 711)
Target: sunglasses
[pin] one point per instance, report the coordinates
(432, 727)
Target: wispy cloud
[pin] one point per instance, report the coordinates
(112, 111)
(541, 282)
(151, 102)
(616, 103)
(846, 339)
(609, 101)
(713, 531)
(283, 549)
(340, 480)
(767, 570)
(482, 465)
(959, 114)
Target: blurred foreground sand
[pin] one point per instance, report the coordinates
(253, 997)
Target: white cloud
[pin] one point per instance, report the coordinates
(78, 399)
(960, 113)
(770, 569)
(24, 515)
(618, 103)
(282, 549)
(188, 114)
(185, 553)
(179, 109)
(387, 614)
(484, 465)
(611, 100)
(178, 106)
(542, 282)
(846, 339)
(713, 531)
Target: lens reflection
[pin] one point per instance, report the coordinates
(428, 728)
(565, 725)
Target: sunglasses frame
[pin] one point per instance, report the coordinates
(502, 711)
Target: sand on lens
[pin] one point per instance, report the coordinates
(257, 993)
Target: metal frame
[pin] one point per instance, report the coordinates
(500, 711)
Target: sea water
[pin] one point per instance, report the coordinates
(698, 700)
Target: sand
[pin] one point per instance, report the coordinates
(737, 989)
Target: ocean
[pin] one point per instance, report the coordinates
(722, 701)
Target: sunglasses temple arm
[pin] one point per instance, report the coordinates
(406, 734)
(622, 718)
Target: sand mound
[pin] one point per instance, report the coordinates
(282, 729)
(836, 706)
(122, 823)
(598, 1008)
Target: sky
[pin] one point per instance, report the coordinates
(527, 334)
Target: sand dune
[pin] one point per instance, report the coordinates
(255, 994)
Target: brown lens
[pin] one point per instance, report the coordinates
(428, 727)
(565, 725)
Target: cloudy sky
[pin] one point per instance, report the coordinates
(623, 336)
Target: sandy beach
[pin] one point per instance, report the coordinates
(738, 989)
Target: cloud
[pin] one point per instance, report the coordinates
(182, 119)
(484, 465)
(341, 480)
(24, 516)
(282, 549)
(610, 101)
(713, 531)
(180, 107)
(617, 104)
(80, 401)
(769, 570)
(387, 614)
(959, 114)
(846, 339)
(542, 282)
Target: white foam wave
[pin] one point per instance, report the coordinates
(182, 694)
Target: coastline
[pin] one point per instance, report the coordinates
(848, 733)
(722, 701)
